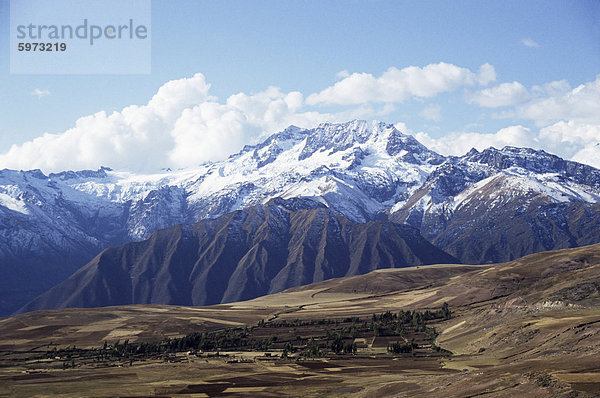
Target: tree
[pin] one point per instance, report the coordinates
(313, 349)
(417, 319)
(401, 348)
(376, 329)
(337, 345)
(287, 348)
(350, 348)
(446, 314)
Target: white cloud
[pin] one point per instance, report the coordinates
(581, 104)
(589, 155)
(458, 143)
(176, 95)
(40, 93)
(398, 85)
(486, 74)
(432, 112)
(554, 88)
(342, 74)
(569, 140)
(182, 125)
(530, 43)
(505, 94)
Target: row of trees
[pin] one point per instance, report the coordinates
(385, 324)
(338, 337)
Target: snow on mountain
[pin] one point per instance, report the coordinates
(362, 170)
(497, 205)
(357, 168)
(259, 250)
(525, 171)
(370, 165)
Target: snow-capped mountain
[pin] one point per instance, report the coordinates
(241, 255)
(358, 169)
(53, 224)
(497, 205)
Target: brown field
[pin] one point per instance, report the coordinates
(527, 328)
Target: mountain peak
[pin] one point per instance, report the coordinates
(351, 124)
(536, 161)
(360, 136)
(337, 137)
(68, 175)
(340, 136)
(358, 169)
(410, 150)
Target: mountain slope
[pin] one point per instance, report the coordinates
(47, 231)
(530, 328)
(64, 219)
(241, 255)
(498, 205)
(494, 205)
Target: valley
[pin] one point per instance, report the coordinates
(529, 327)
(300, 199)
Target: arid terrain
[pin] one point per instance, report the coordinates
(530, 327)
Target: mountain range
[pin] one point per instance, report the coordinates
(248, 253)
(367, 178)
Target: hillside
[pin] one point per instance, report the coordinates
(530, 327)
(241, 255)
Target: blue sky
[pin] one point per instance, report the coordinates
(302, 46)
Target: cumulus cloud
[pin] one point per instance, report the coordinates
(558, 87)
(459, 143)
(556, 101)
(589, 155)
(432, 112)
(40, 93)
(137, 137)
(580, 104)
(569, 140)
(181, 126)
(529, 42)
(398, 85)
(505, 94)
